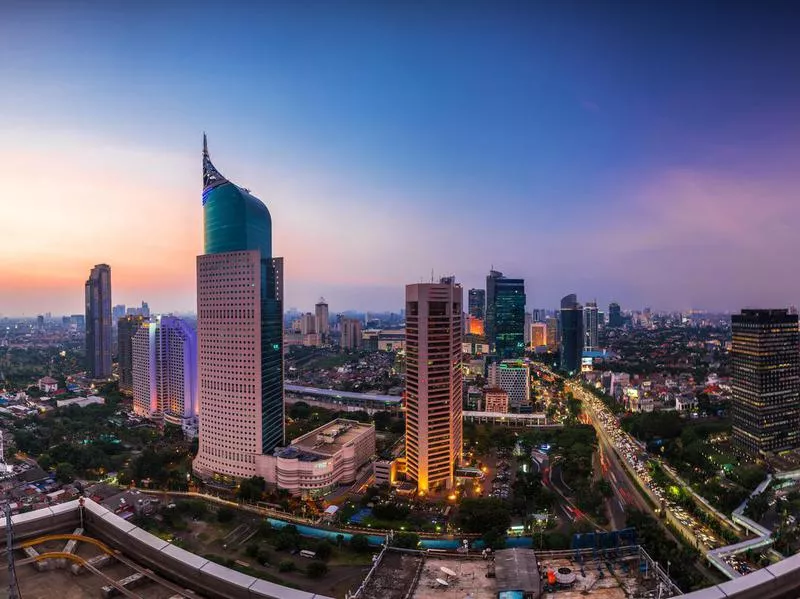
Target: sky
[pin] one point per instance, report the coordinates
(645, 153)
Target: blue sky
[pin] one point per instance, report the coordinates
(644, 153)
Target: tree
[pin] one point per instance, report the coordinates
(65, 472)
(359, 543)
(323, 550)
(480, 515)
(264, 556)
(382, 420)
(300, 411)
(286, 565)
(316, 569)
(406, 540)
(252, 489)
(225, 514)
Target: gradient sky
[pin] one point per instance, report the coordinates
(633, 151)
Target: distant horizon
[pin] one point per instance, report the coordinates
(642, 153)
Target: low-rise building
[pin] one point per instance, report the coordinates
(319, 461)
(495, 400)
(385, 472)
(48, 384)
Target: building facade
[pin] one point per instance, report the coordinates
(477, 303)
(323, 459)
(590, 326)
(239, 331)
(495, 400)
(322, 320)
(538, 334)
(614, 315)
(98, 322)
(164, 356)
(126, 329)
(765, 364)
(505, 315)
(434, 384)
(351, 334)
(512, 376)
(571, 345)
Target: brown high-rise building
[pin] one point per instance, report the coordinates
(351, 334)
(433, 383)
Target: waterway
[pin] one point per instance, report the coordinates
(376, 540)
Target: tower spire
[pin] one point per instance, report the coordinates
(211, 176)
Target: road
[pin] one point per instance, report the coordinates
(616, 444)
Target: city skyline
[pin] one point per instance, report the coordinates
(632, 162)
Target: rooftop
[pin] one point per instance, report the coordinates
(327, 440)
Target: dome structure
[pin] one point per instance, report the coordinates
(234, 219)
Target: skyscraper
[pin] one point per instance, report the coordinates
(239, 331)
(766, 381)
(590, 325)
(477, 303)
(505, 315)
(322, 321)
(165, 371)
(433, 383)
(571, 346)
(98, 322)
(126, 329)
(614, 315)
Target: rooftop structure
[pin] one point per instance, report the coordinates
(320, 460)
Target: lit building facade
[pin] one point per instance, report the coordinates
(766, 381)
(240, 332)
(99, 323)
(164, 357)
(505, 315)
(590, 326)
(538, 334)
(126, 329)
(571, 344)
(495, 400)
(477, 303)
(434, 384)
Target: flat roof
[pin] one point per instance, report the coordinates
(337, 433)
(517, 570)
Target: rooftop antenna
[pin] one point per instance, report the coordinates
(431, 275)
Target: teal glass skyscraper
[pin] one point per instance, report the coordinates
(240, 332)
(505, 315)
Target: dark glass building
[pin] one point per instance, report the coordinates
(765, 381)
(614, 315)
(126, 329)
(477, 303)
(98, 322)
(571, 339)
(505, 315)
(240, 331)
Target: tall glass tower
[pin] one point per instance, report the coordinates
(572, 337)
(505, 315)
(98, 322)
(240, 331)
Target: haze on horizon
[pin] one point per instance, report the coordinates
(640, 153)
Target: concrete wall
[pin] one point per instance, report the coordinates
(181, 567)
